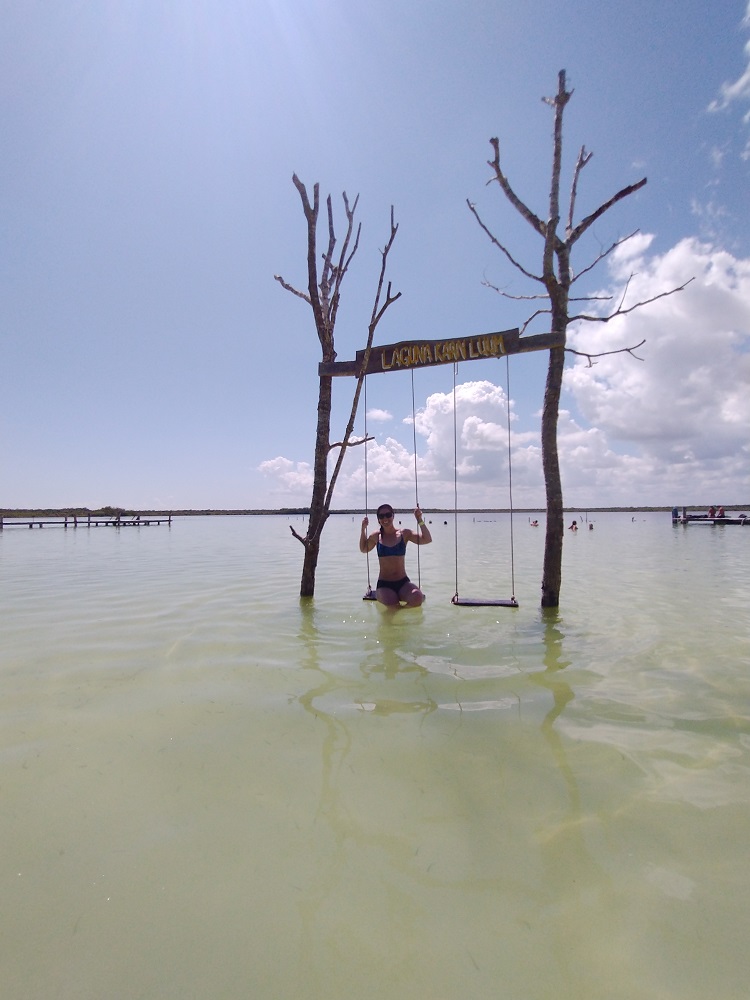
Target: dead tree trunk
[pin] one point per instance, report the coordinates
(553, 542)
(557, 277)
(318, 508)
(323, 296)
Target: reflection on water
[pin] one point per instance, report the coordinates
(214, 788)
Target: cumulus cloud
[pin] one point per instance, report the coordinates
(684, 412)
(379, 416)
(465, 451)
(293, 477)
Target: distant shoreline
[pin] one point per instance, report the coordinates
(304, 511)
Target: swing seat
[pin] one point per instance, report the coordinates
(370, 595)
(483, 602)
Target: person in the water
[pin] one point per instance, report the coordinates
(394, 586)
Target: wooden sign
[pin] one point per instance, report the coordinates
(426, 353)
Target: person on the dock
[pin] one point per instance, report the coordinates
(720, 512)
(394, 587)
(712, 511)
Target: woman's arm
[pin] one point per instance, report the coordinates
(421, 537)
(366, 544)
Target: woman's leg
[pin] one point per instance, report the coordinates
(411, 594)
(387, 596)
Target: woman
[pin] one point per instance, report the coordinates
(394, 586)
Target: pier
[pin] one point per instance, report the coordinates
(712, 519)
(86, 521)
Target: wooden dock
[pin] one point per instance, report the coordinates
(712, 519)
(86, 521)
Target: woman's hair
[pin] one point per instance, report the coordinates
(384, 508)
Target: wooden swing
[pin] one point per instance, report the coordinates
(483, 602)
(370, 594)
(426, 353)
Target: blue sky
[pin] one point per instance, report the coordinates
(148, 357)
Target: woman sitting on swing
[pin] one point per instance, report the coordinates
(394, 586)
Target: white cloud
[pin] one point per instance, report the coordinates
(295, 477)
(713, 218)
(379, 416)
(684, 412)
(731, 93)
(627, 254)
(478, 452)
(737, 90)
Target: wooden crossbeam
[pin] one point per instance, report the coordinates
(427, 353)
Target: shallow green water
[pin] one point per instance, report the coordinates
(214, 790)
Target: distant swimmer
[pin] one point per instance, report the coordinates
(573, 526)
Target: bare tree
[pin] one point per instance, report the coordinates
(557, 277)
(323, 295)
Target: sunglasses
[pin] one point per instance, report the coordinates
(385, 517)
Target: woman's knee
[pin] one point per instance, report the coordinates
(413, 598)
(386, 596)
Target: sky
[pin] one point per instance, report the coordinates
(148, 358)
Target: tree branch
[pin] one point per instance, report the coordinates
(620, 350)
(350, 444)
(510, 194)
(582, 226)
(292, 289)
(499, 245)
(311, 217)
(298, 537)
(624, 312)
(552, 241)
(324, 287)
(539, 312)
(583, 159)
(378, 311)
(509, 295)
(605, 253)
(345, 257)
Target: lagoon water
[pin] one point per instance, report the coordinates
(214, 790)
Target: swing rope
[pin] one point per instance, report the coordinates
(455, 476)
(510, 483)
(470, 602)
(416, 478)
(370, 593)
